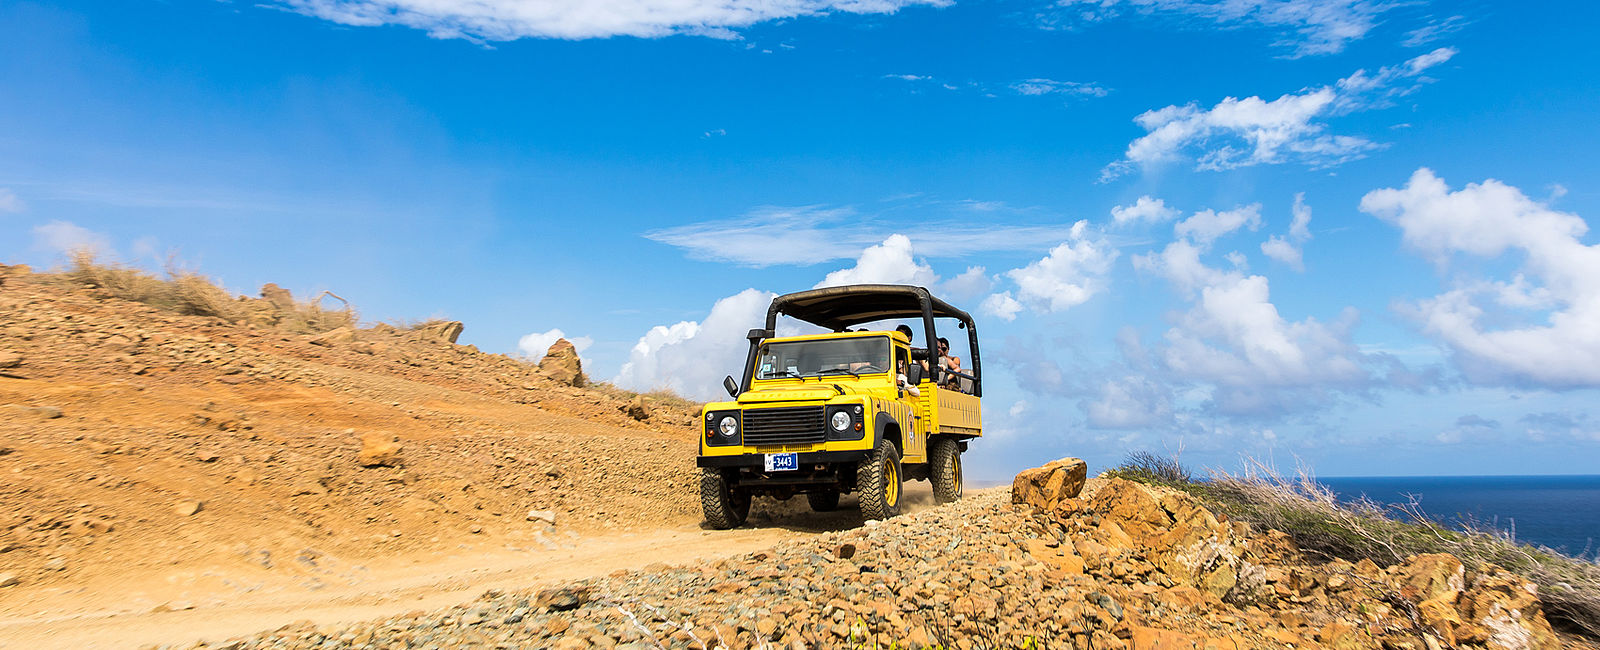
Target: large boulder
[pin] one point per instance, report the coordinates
(561, 364)
(1045, 487)
(1492, 607)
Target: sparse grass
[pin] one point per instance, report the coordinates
(662, 397)
(189, 293)
(1148, 467)
(1322, 525)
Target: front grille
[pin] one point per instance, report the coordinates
(785, 426)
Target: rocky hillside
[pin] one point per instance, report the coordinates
(1121, 565)
(138, 440)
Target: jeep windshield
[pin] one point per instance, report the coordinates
(800, 359)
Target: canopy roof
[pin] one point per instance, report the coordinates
(837, 308)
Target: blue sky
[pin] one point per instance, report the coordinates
(1350, 234)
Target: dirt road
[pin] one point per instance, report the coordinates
(181, 607)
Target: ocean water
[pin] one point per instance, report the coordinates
(1561, 512)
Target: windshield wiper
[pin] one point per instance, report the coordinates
(783, 373)
(835, 371)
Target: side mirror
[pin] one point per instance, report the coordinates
(731, 386)
(914, 374)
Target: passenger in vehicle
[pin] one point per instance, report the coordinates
(949, 364)
(904, 383)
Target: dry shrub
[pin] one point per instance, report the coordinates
(309, 317)
(187, 292)
(197, 295)
(1325, 526)
(120, 281)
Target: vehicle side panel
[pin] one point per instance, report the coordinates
(959, 413)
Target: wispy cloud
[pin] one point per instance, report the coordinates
(1292, 128)
(9, 201)
(1035, 87)
(1304, 27)
(505, 20)
(1434, 30)
(65, 237)
(803, 235)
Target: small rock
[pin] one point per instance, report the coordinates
(175, 606)
(8, 580)
(475, 529)
(379, 450)
(333, 337)
(638, 409)
(10, 359)
(233, 380)
(207, 456)
(55, 564)
(188, 508)
(547, 516)
(561, 599)
(40, 412)
(844, 551)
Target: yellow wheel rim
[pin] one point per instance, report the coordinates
(957, 463)
(891, 476)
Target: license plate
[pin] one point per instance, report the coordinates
(783, 462)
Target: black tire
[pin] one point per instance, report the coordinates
(880, 482)
(944, 470)
(724, 507)
(823, 501)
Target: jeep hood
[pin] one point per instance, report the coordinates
(809, 393)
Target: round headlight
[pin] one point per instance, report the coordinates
(729, 425)
(840, 421)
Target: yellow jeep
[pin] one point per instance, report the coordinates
(826, 414)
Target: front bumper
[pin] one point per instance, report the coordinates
(806, 458)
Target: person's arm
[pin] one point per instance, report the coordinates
(909, 387)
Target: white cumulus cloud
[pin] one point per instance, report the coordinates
(1234, 341)
(1287, 249)
(890, 262)
(1001, 305)
(691, 357)
(534, 345)
(1068, 276)
(970, 284)
(1292, 128)
(1205, 226)
(504, 20)
(1129, 402)
(1146, 208)
(1542, 325)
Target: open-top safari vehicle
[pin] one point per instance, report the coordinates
(825, 414)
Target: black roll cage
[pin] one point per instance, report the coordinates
(838, 308)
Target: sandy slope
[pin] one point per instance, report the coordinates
(117, 420)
